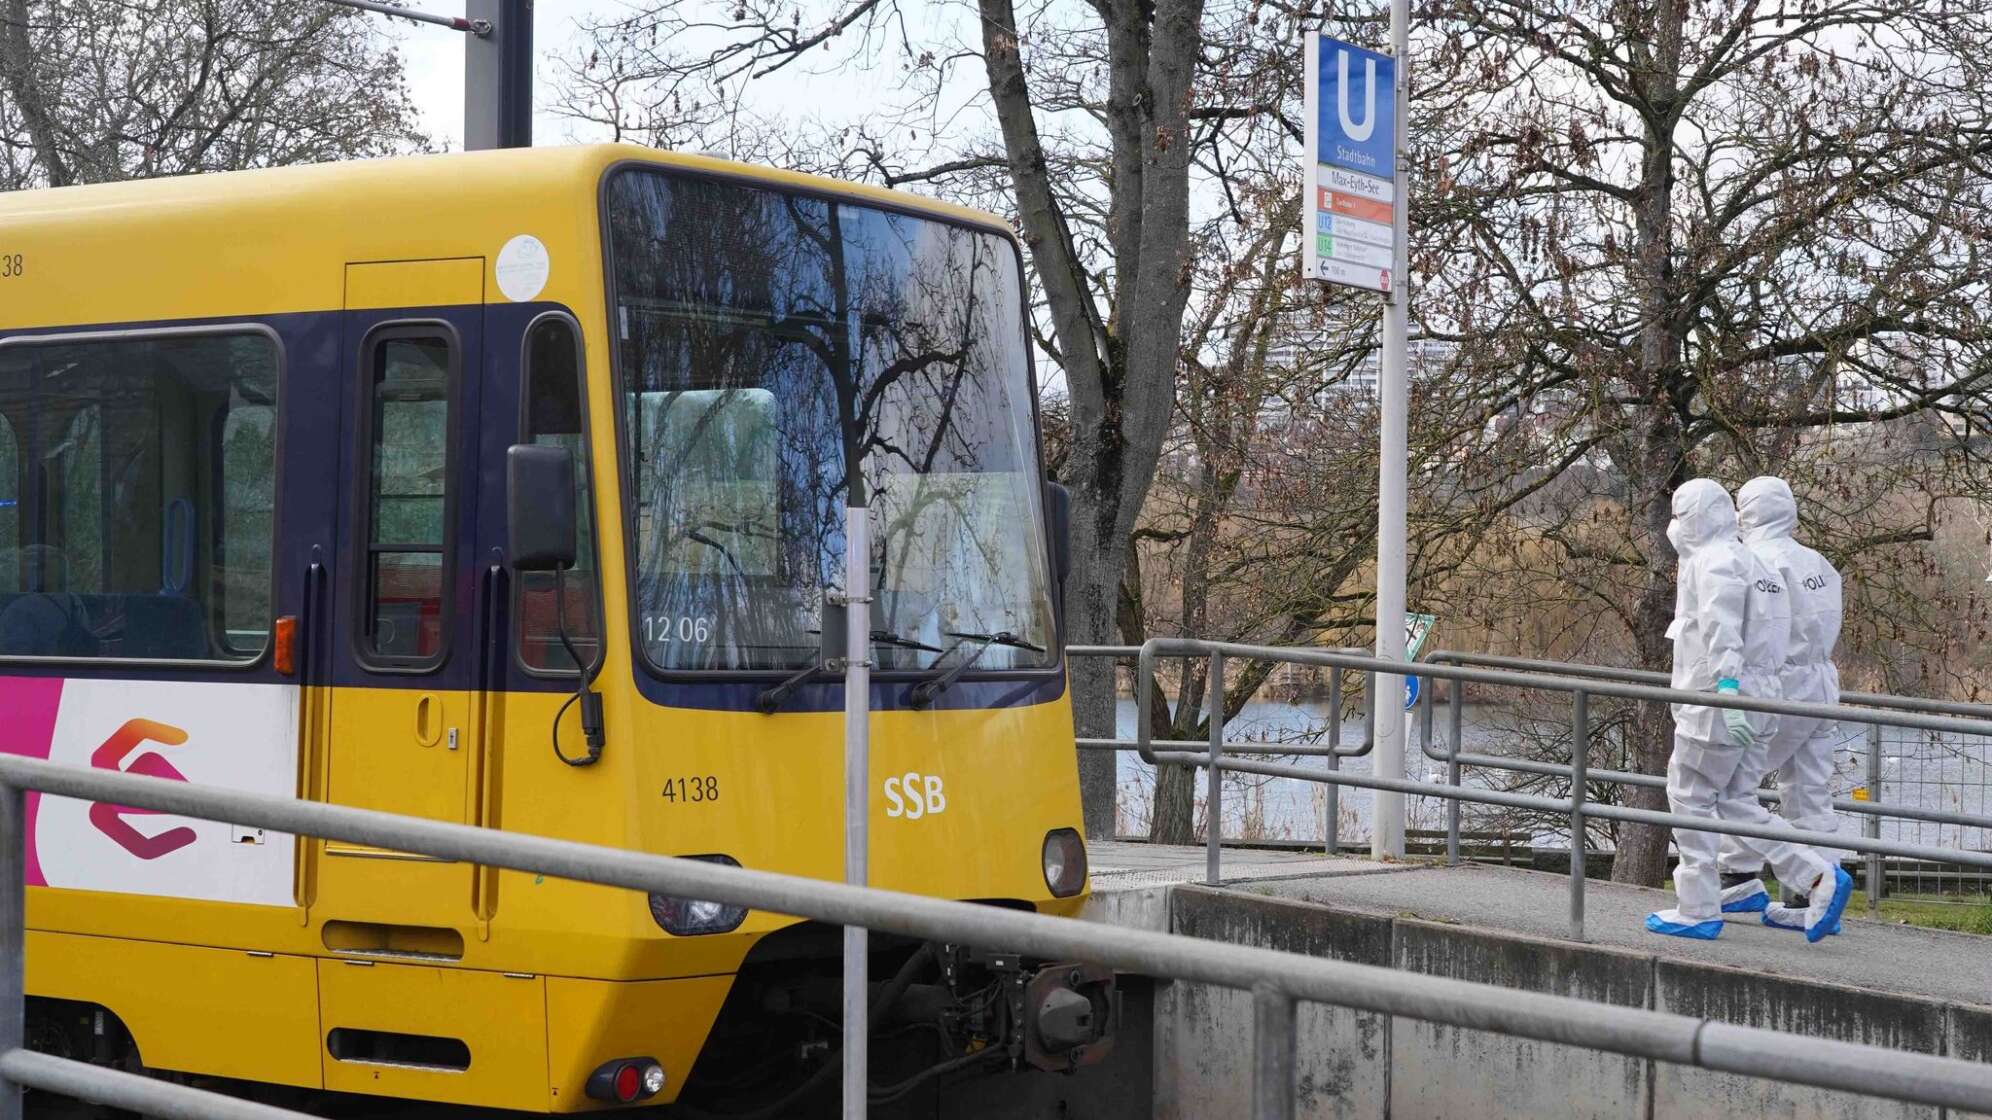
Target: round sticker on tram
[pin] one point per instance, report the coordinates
(522, 268)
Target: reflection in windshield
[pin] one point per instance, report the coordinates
(767, 342)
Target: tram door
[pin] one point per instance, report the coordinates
(403, 732)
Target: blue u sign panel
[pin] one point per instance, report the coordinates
(1356, 110)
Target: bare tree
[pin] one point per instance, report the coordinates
(1697, 239)
(99, 90)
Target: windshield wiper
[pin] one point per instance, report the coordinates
(771, 699)
(888, 638)
(999, 638)
(924, 693)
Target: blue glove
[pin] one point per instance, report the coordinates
(1735, 719)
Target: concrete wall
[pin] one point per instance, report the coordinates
(1511, 1076)
(1356, 1064)
(1752, 999)
(1203, 1035)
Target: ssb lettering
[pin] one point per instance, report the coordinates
(913, 795)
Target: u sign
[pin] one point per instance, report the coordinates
(1356, 108)
(1356, 131)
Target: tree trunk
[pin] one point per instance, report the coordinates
(1090, 618)
(1121, 375)
(1662, 455)
(17, 77)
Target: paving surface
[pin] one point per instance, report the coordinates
(1120, 866)
(1870, 954)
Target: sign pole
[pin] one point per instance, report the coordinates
(1353, 233)
(1387, 829)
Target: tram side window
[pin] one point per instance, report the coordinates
(553, 415)
(118, 535)
(246, 493)
(408, 499)
(10, 506)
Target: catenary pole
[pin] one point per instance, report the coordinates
(497, 66)
(1392, 562)
(498, 76)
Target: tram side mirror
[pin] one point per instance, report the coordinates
(1058, 512)
(540, 521)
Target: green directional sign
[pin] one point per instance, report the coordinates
(1416, 628)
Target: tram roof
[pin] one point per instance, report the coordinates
(276, 240)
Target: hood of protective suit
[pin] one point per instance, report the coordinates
(1765, 509)
(1703, 514)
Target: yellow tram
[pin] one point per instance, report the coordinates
(254, 519)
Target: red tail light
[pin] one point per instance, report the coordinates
(283, 645)
(626, 1080)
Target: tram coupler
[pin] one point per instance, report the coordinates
(1070, 1011)
(1059, 1016)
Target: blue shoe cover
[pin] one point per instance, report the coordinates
(1843, 888)
(1700, 931)
(1747, 903)
(1792, 918)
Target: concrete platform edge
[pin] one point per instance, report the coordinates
(1358, 1064)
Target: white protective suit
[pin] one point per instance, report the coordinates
(1732, 620)
(1800, 750)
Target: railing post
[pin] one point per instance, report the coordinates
(13, 938)
(1272, 1053)
(1580, 751)
(1425, 709)
(1214, 783)
(1331, 809)
(1454, 744)
(1872, 825)
(1331, 801)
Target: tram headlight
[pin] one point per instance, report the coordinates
(690, 917)
(1064, 862)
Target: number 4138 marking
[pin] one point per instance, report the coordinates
(694, 789)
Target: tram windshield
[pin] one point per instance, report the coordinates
(767, 342)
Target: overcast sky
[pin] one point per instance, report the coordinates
(435, 66)
(816, 88)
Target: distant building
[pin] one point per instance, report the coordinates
(1428, 357)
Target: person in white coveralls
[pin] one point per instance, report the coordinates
(1801, 750)
(1732, 620)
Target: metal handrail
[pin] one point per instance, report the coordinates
(1333, 753)
(1872, 810)
(1553, 769)
(1190, 647)
(1333, 730)
(1652, 676)
(1619, 777)
(1581, 688)
(1277, 980)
